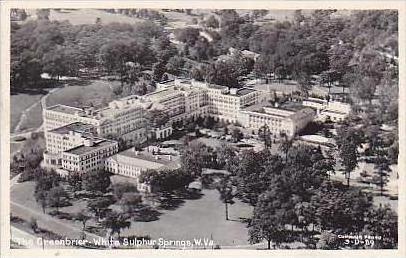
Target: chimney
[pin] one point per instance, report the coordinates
(156, 157)
(169, 157)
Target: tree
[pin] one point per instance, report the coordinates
(212, 22)
(130, 201)
(123, 187)
(285, 145)
(99, 206)
(75, 181)
(382, 169)
(96, 181)
(33, 224)
(187, 35)
(197, 156)
(267, 221)
(41, 196)
(236, 134)
(383, 222)
(304, 83)
(57, 197)
(227, 158)
(43, 14)
(116, 222)
(347, 143)
(225, 189)
(83, 217)
(175, 65)
(265, 134)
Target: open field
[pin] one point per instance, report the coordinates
(19, 103)
(95, 92)
(87, 16)
(201, 218)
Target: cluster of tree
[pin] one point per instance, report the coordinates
(62, 49)
(150, 14)
(166, 180)
(294, 199)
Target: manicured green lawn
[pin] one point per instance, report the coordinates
(201, 218)
(19, 103)
(93, 92)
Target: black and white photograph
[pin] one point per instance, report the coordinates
(203, 129)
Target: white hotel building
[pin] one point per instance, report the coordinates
(74, 147)
(285, 120)
(75, 137)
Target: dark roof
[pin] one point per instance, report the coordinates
(76, 127)
(97, 144)
(244, 91)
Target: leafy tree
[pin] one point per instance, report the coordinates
(265, 134)
(130, 201)
(96, 181)
(227, 158)
(34, 224)
(197, 156)
(123, 187)
(266, 223)
(236, 134)
(175, 65)
(166, 180)
(187, 35)
(99, 206)
(41, 197)
(83, 217)
(75, 181)
(57, 197)
(286, 145)
(347, 143)
(212, 22)
(116, 222)
(225, 189)
(383, 222)
(43, 14)
(382, 166)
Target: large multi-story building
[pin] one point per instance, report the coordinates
(76, 137)
(202, 99)
(131, 163)
(283, 120)
(74, 147)
(124, 118)
(334, 111)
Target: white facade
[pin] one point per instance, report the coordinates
(131, 163)
(279, 121)
(334, 111)
(75, 148)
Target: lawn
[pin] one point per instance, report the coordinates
(201, 218)
(19, 103)
(96, 92)
(87, 16)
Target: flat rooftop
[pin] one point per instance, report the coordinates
(287, 109)
(98, 143)
(244, 91)
(65, 109)
(76, 127)
(148, 156)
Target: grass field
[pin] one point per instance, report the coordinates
(97, 92)
(19, 103)
(87, 16)
(201, 218)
